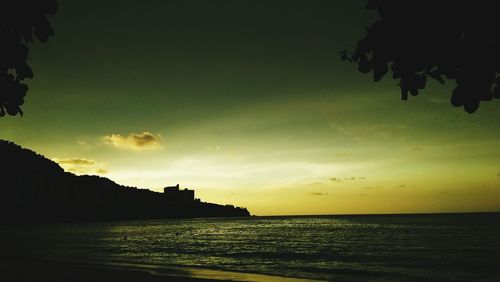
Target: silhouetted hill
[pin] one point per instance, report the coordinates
(36, 189)
(15, 159)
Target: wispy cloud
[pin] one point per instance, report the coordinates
(370, 187)
(81, 166)
(101, 171)
(82, 143)
(317, 194)
(75, 170)
(74, 161)
(135, 141)
(352, 178)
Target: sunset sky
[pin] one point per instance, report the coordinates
(249, 103)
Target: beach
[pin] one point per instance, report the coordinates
(17, 269)
(437, 247)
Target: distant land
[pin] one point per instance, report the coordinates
(36, 189)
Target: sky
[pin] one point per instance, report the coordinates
(248, 103)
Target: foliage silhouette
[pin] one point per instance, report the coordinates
(36, 189)
(19, 21)
(434, 39)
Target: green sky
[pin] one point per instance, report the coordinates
(249, 103)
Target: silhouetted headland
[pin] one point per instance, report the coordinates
(36, 189)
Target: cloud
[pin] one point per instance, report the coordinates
(317, 194)
(74, 161)
(81, 171)
(370, 187)
(135, 141)
(75, 170)
(82, 143)
(352, 178)
(81, 166)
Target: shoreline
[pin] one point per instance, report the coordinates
(253, 216)
(21, 269)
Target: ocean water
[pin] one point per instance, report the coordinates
(440, 247)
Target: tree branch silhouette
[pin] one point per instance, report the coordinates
(434, 39)
(20, 22)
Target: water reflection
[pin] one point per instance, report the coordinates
(373, 247)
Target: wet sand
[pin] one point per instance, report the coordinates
(21, 270)
(30, 269)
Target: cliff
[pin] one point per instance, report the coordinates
(36, 189)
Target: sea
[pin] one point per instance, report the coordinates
(422, 247)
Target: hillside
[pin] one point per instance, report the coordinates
(36, 189)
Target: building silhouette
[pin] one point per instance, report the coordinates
(35, 189)
(173, 194)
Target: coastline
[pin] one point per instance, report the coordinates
(327, 248)
(21, 269)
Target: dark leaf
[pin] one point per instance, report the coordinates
(372, 4)
(471, 106)
(42, 29)
(436, 40)
(364, 65)
(12, 109)
(379, 72)
(404, 93)
(435, 75)
(457, 98)
(24, 71)
(19, 20)
(48, 7)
